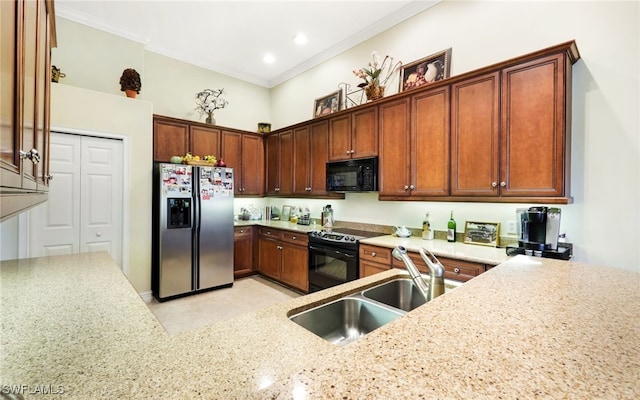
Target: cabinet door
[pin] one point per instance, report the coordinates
(295, 266)
(475, 136)
(393, 167)
(533, 128)
(269, 255)
(170, 138)
(430, 143)
(340, 138)
(301, 162)
(43, 83)
(364, 137)
(252, 165)
(204, 141)
(319, 156)
(368, 268)
(273, 155)
(242, 251)
(29, 95)
(231, 153)
(286, 163)
(9, 130)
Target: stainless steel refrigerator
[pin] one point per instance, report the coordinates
(192, 229)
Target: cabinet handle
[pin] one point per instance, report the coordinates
(456, 270)
(49, 177)
(241, 230)
(348, 152)
(406, 187)
(494, 184)
(373, 254)
(31, 155)
(412, 187)
(353, 151)
(503, 184)
(279, 247)
(293, 237)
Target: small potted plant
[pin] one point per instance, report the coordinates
(130, 82)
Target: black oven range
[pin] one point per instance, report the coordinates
(333, 256)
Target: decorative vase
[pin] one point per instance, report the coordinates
(210, 119)
(131, 93)
(374, 92)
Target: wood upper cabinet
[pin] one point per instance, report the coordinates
(245, 154)
(311, 143)
(354, 135)
(475, 136)
(28, 33)
(414, 145)
(279, 149)
(510, 134)
(394, 175)
(174, 137)
(535, 124)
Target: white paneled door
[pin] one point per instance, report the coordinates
(84, 211)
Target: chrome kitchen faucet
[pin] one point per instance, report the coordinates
(436, 272)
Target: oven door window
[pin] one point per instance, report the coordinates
(328, 267)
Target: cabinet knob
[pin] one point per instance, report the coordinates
(353, 151)
(494, 184)
(406, 187)
(348, 152)
(456, 270)
(293, 237)
(503, 184)
(373, 254)
(31, 155)
(279, 247)
(49, 177)
(412, 187)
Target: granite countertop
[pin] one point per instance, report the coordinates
(529, 327)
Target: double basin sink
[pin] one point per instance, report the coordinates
(344, 320)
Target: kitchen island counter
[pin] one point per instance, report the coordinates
(529, 327)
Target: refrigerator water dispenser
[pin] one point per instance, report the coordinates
(179, 213)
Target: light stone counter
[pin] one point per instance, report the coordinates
(442, 248)
(528, 328)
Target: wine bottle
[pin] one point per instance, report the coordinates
(451, 229)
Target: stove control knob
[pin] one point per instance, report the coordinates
(353, 238)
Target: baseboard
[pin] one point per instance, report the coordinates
(146, 296)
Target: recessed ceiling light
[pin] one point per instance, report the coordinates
(300, 39)
(269, 58)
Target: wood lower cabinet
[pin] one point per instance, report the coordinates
(243, 251)
(454, 269)
(284, 256)
(28, 33)
(374, 259)
(354, 135)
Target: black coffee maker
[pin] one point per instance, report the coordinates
(538, 232)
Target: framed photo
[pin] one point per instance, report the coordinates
(328, 104)
(286, 213)
(426, 70)
(482, 233)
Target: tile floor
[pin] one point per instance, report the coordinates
(247, 294)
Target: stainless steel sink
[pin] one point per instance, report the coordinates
(345, 320)
(400, 293)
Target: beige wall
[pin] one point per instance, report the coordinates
(96, 112)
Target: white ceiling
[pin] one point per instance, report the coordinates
(232, 37)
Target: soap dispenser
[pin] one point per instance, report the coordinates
(427, 232)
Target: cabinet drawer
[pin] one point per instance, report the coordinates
(270, 232)
(460, 270)
(381, 255)
(299, 238)
(242, 231)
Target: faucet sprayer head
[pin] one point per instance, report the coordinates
(399, 252)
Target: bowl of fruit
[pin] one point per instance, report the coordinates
(208, 160)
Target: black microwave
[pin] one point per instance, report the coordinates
(360, 175)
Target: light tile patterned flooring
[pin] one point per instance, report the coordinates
(247, 294)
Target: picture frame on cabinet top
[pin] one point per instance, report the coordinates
(286, 213)
(426, 70)
(328, 104)
(482, 233)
